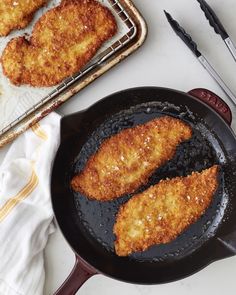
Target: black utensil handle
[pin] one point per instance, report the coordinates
(213, 101)
(213, 19)
(180, 31)
(78, 276)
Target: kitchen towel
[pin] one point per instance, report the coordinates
(25, 208)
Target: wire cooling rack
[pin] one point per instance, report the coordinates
(123, 19)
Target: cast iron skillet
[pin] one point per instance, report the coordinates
(87, 225)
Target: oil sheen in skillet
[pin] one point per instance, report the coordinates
(200, 152)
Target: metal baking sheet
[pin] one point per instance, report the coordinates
(20, 107)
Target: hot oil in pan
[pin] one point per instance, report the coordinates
(202, 151)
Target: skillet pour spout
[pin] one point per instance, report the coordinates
(88, 225)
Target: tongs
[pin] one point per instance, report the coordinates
(219, 29)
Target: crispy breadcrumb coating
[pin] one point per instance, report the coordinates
(63, 41)
(126, 160)
(17, 14)
(164, 211)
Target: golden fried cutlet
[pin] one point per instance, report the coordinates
(162, 212)
(126, 160)
(16, 14)
(63, 41)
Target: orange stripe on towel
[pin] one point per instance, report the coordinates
(36, 128)
(23, 194)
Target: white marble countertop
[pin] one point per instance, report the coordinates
(162, 61)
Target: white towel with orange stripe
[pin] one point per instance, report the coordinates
(25, 209)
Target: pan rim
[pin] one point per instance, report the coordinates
(83, 112)
(131, 89)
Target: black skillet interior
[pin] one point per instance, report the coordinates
(88, 225)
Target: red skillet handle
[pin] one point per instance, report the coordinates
(78, 276)
(213, 101)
